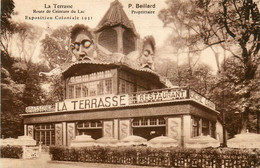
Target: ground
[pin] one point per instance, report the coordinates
(45, 162)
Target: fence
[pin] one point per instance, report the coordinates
(31, 152)
(177, 158)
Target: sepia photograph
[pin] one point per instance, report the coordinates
(130, 84)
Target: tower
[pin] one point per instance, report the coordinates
(116, 32)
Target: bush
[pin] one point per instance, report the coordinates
(166, 157)
(11, 151)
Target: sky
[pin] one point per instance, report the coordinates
(90, 12)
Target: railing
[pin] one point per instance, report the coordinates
(31, 152)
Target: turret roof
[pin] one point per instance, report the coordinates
(115, 16)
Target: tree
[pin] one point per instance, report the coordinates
(11, 103)
(55, 51)
(231, 25)
(201, 79)
(167, 68)
(7, 7)
(55, 47)
(27, 39)
(20, 87)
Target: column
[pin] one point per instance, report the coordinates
(108, 129)
(25, 129)
(174, 129)
(186, 128)
(71, 134)
(116, 130)
(119, 31)
(30, 130)
(64, 134)
(58, 134)
(124, 128)
(200, 127)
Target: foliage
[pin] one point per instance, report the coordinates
(33, 93)
(55, 52)
(7, 7)
(11, 95)
(11, 151)
(20, 87)
(27, 38)
(21, 40)
(55, 46)
(232, 26)
(199, 78)
(167, 68)
(230, 87)
(166, 157)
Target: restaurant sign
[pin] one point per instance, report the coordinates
(107, 101)
(162, 95)
(202, 100)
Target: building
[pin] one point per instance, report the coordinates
(119, 98)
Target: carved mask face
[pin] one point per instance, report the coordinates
(146, 58)
(83, 47)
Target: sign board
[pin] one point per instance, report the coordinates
(37, 109)
(108, 101)
(97, 102)
(163, 95)
(202, 100)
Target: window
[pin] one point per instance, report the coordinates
(108, 86)
(122, 86)
(213, 129)
(94, 88)
(195, 126)
(202, 126)
(45, 133)
(205, 127)
(100, 88)
(80, 125)
(153, 121)
(78, 91)
(71, 92)
(126, 82)
(89, 124)
(149, 122)
(149, 128)
(125, 86)
(84, 90)
(136, 123)
(92, 128)
(161, 121)
(144, 122)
